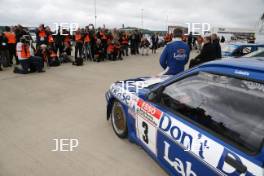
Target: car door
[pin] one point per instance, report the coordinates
(202, 131)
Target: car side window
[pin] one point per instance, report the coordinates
(230, 107)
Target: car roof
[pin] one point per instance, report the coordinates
(254, 63)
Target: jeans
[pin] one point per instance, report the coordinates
(125, 50)
(88, 51)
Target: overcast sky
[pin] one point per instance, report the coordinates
(113, 13)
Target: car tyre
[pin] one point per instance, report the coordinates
(119, 120)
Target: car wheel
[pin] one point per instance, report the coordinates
(118, 120)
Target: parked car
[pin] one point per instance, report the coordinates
(239, 49)
(258, 53)
(204, 121)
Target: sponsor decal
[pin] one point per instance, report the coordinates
(183, 137)
(147, 117)
(210, 152)
(123, 95)
(148, 112)
(241, 72)
(149, 109)
(183, 168)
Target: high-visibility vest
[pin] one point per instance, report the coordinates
(11, 37)
(23, 51)
(50, 39)
(42, 34)
(87, 39)
(78, 37)
(110, 48)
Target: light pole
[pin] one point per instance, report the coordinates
(95, 14)
(142, 19)
(167, 23)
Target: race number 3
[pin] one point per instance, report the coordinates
(145, 135)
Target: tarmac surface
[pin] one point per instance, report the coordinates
(69, 102)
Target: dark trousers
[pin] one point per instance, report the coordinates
(32, 64)
(125, 50)
(25, 66)
(12, 52)
(93, 50)
(4, 57)
(60, 47)
(78, 49)
(154, 47)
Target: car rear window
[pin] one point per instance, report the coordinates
(231, 107)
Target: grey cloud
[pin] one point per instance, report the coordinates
(114, 13)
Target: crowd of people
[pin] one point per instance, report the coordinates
(98, 45)
(55, 48)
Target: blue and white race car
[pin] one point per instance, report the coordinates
(205, 121)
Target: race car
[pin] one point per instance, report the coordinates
(205, 121)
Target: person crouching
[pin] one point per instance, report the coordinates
(53, 59)
(28, 63)
(145, 46)
(99, 55)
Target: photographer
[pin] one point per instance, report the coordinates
(4, 53)
(41, 36)
(11, 44)
(78, 43)
(29, 63)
